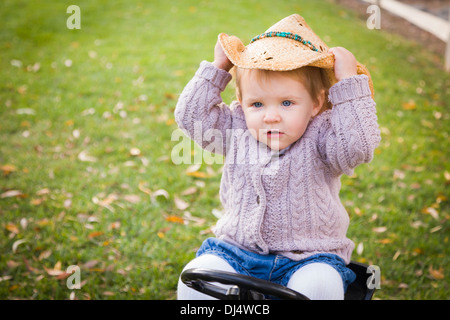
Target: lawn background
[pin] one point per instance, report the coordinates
(86, 175)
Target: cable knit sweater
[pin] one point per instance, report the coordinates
(288, 202)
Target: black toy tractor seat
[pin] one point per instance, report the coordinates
(249, 288)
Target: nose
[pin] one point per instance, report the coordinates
(272, 115)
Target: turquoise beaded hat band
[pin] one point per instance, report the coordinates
(288, 35)
(287, 45)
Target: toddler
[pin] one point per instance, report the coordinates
(302, 118)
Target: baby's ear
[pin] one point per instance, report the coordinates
(319, 103)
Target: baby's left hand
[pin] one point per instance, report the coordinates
(345, 63)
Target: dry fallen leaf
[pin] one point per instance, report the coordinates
(386, 241)
(175, 219)
(83, 156)
(358, 211)
(399, 175)
(436, 274)
(188, 217)
(379, 229)
(360, 248)
(135, 152)
(95, 234)
(67, 203)
(34, 67)
(440, 198)
(107, 201)
(29, 266)
(16, 244)
(189, 191)
(193, 168)
(157, 193)
(410, 105)
(181, 204)
(114, 225)
(56, 271)
(11, 193)
(143, 187)
(37, 201)
(90, 264)
(45, 254)
(57, 266)
(5, 278)
(160, 235)
(447, 176)
(431, 211)
(435, 229)
(132, 198)
(170, 96)
(11, 227)
(43, 222)
(7, 169)
(12, 264)
(162, 232)
(63, 275)
(197, 174)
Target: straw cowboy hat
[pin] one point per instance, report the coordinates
(289, 44)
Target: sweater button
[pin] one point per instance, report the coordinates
(257, 199)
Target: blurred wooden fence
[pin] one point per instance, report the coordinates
(437, 26)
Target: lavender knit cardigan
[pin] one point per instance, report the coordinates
(284, 203)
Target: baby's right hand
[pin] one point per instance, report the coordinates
(221, 60)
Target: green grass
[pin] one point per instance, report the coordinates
(112, 86)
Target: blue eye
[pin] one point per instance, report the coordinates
(257, 104)
(286, 103)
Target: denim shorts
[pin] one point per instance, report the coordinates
(271, 267)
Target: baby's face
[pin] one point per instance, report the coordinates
(277, 110)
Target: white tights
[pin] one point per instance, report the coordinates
(317, 281)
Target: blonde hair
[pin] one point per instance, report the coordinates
(314, 79)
